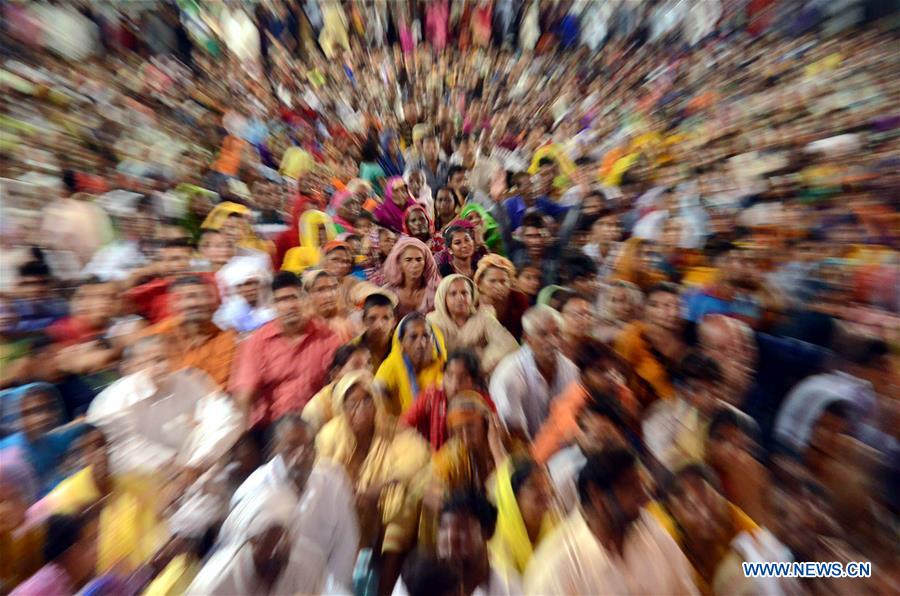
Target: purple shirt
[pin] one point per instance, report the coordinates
(49, 580)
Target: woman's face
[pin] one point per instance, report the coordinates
(386, 241)
(619, 305)
(359, 406)
(324, 294)
(459, 298)
(412, 263)
(400, 193)
(476, 220)
(350, 207)
(534, 496)
(417, 223)
(217, 249)
(444, 204)
(416, 343)
(462, 246)
(530, 281)
(233, 229)
(495, 284)
(338, 263)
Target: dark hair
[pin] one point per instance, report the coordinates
(700, 367)
(533, 220)
(603, 471)
(603, 407)
(363, 214)
(286, 279)
(187, 280)
(413, 316)
(205, 231)
(527, 264)
(474, 503)
(454, 169)
(444, 188)
(343, 354)
(593, 352)
(286, 421)
(455, 229)
(569, 295)
(470, 361)
(728, 417)
(425, 575)
(70, 180)
(34, 269)
(545, 161)
(235, 215)
(577, 265)
(663, 286)
(374, 301)
(673, 484)
(522, 469)
(460, 138)
(177, 243)
(62, 532)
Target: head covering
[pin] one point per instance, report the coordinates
(634, 294)
(493, 260)
(510, 544)
(441, 316)
(545, 296)
(296, 162)
(307, 254)
(393, 274)
(393, 165)
(465, 406)
(491, 233)
(220, 214)
(419, 131)
(388, 213)
(629, 266)
(432, 235)
(398, 374)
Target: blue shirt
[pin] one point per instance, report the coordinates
(700, 304)
(46, 454)
(515, 209)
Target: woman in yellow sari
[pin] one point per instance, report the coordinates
(130, 532)
(385, 462)
(522, 492)
(416, 362)
(316, 230)
(233, 220)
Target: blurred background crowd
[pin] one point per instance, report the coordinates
(448, 297)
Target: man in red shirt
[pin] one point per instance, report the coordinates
(285, 362)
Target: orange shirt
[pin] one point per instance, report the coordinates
(633, 348)
(213, 355)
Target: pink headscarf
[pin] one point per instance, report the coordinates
(393, 273)
(388, 213)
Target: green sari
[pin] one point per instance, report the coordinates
(492, 237)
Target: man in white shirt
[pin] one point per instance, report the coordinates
(524, 382)
(155, 418)
(324, 513)
(610, 545)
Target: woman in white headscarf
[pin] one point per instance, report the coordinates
(246, 301)
(264, 559)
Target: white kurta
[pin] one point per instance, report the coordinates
(325, 513)
(572, 561)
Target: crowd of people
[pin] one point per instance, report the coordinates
(471, 297)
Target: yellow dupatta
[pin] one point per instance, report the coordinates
(300, 258)
(396, 375)
(510, 546)
(220, 214)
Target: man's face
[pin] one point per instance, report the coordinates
(416, 181)
(578, 317)
(631, 496)
(457, 180)
(529, 280)
(417, 222)
(416, 343)
(152, 359)
(289, 305)
(233, 229)
(249, 290)
(295, 446)
(430, 148)
(39, 414)
(597, 433)
(324, 293)
(546, 342)
(379, 322)
(607, 230)
(535, 239)
(460, 540)
(194, 303)
(700, 510)
(95, 304)
(175, 260)
(338, 263)
(495, 284)
(662, 310)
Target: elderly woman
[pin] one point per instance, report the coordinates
(396, 201)
(621, 304)
(464, 325)
(346, 204)
(265, 559)
(418, 225)
(233, 221)
(494, 279)
(411, 273)
(324, 291)
(246, 300)
(416, 362)
(384, 460)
